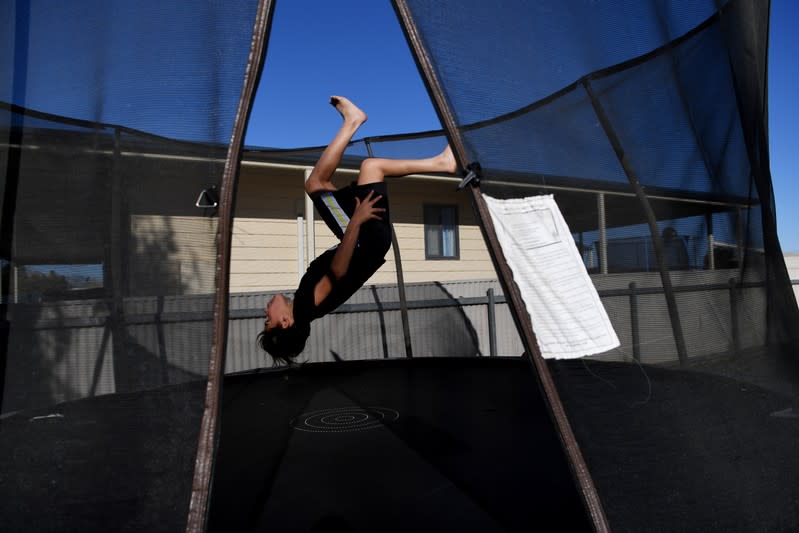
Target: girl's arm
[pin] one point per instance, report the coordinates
(364, 211)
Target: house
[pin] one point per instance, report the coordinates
(276, 232)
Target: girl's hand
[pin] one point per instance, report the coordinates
(365, 210)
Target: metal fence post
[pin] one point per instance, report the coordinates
(492, 323)
(736, 337)
(634, 322)
(603, 234)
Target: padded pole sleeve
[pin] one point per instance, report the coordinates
(209, 428)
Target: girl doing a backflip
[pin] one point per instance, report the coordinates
(358, 215)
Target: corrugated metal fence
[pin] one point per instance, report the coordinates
(455, 318)
(68, 352)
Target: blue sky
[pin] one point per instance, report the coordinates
(352, 47)
(783, 118)
(356, 48)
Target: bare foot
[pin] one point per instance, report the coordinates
(448, 160)
(349, 111)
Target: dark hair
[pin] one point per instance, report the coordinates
(284, 344)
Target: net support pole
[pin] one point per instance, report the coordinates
(21, 26)
(668, 289)
(582, 476)
(209, 430)
(406, 327)
(115, 260)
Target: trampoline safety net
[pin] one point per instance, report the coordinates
(416, 406)
(647, 122)
(114, 117)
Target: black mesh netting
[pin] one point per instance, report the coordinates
(646, 121)
(107, 265)
(648, 124)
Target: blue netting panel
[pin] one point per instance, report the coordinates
(114, 116)
(558, 98)
(168, 68)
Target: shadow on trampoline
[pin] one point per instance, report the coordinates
(391, 445)
(409, 444)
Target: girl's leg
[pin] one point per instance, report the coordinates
(331, 156)
(374, 170)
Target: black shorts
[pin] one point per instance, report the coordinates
(336, 208)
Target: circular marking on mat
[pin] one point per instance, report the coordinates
(344, 419)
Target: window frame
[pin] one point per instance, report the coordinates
(427, 210)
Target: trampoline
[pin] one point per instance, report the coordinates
(467, 444)
(359, 446)
(647, 123)
(393, 445)
(442, 444)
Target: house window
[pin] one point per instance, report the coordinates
(441, 232)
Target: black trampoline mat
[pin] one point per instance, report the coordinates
(401, 445)
(674, 449)
(118, 462)
(424, 444)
